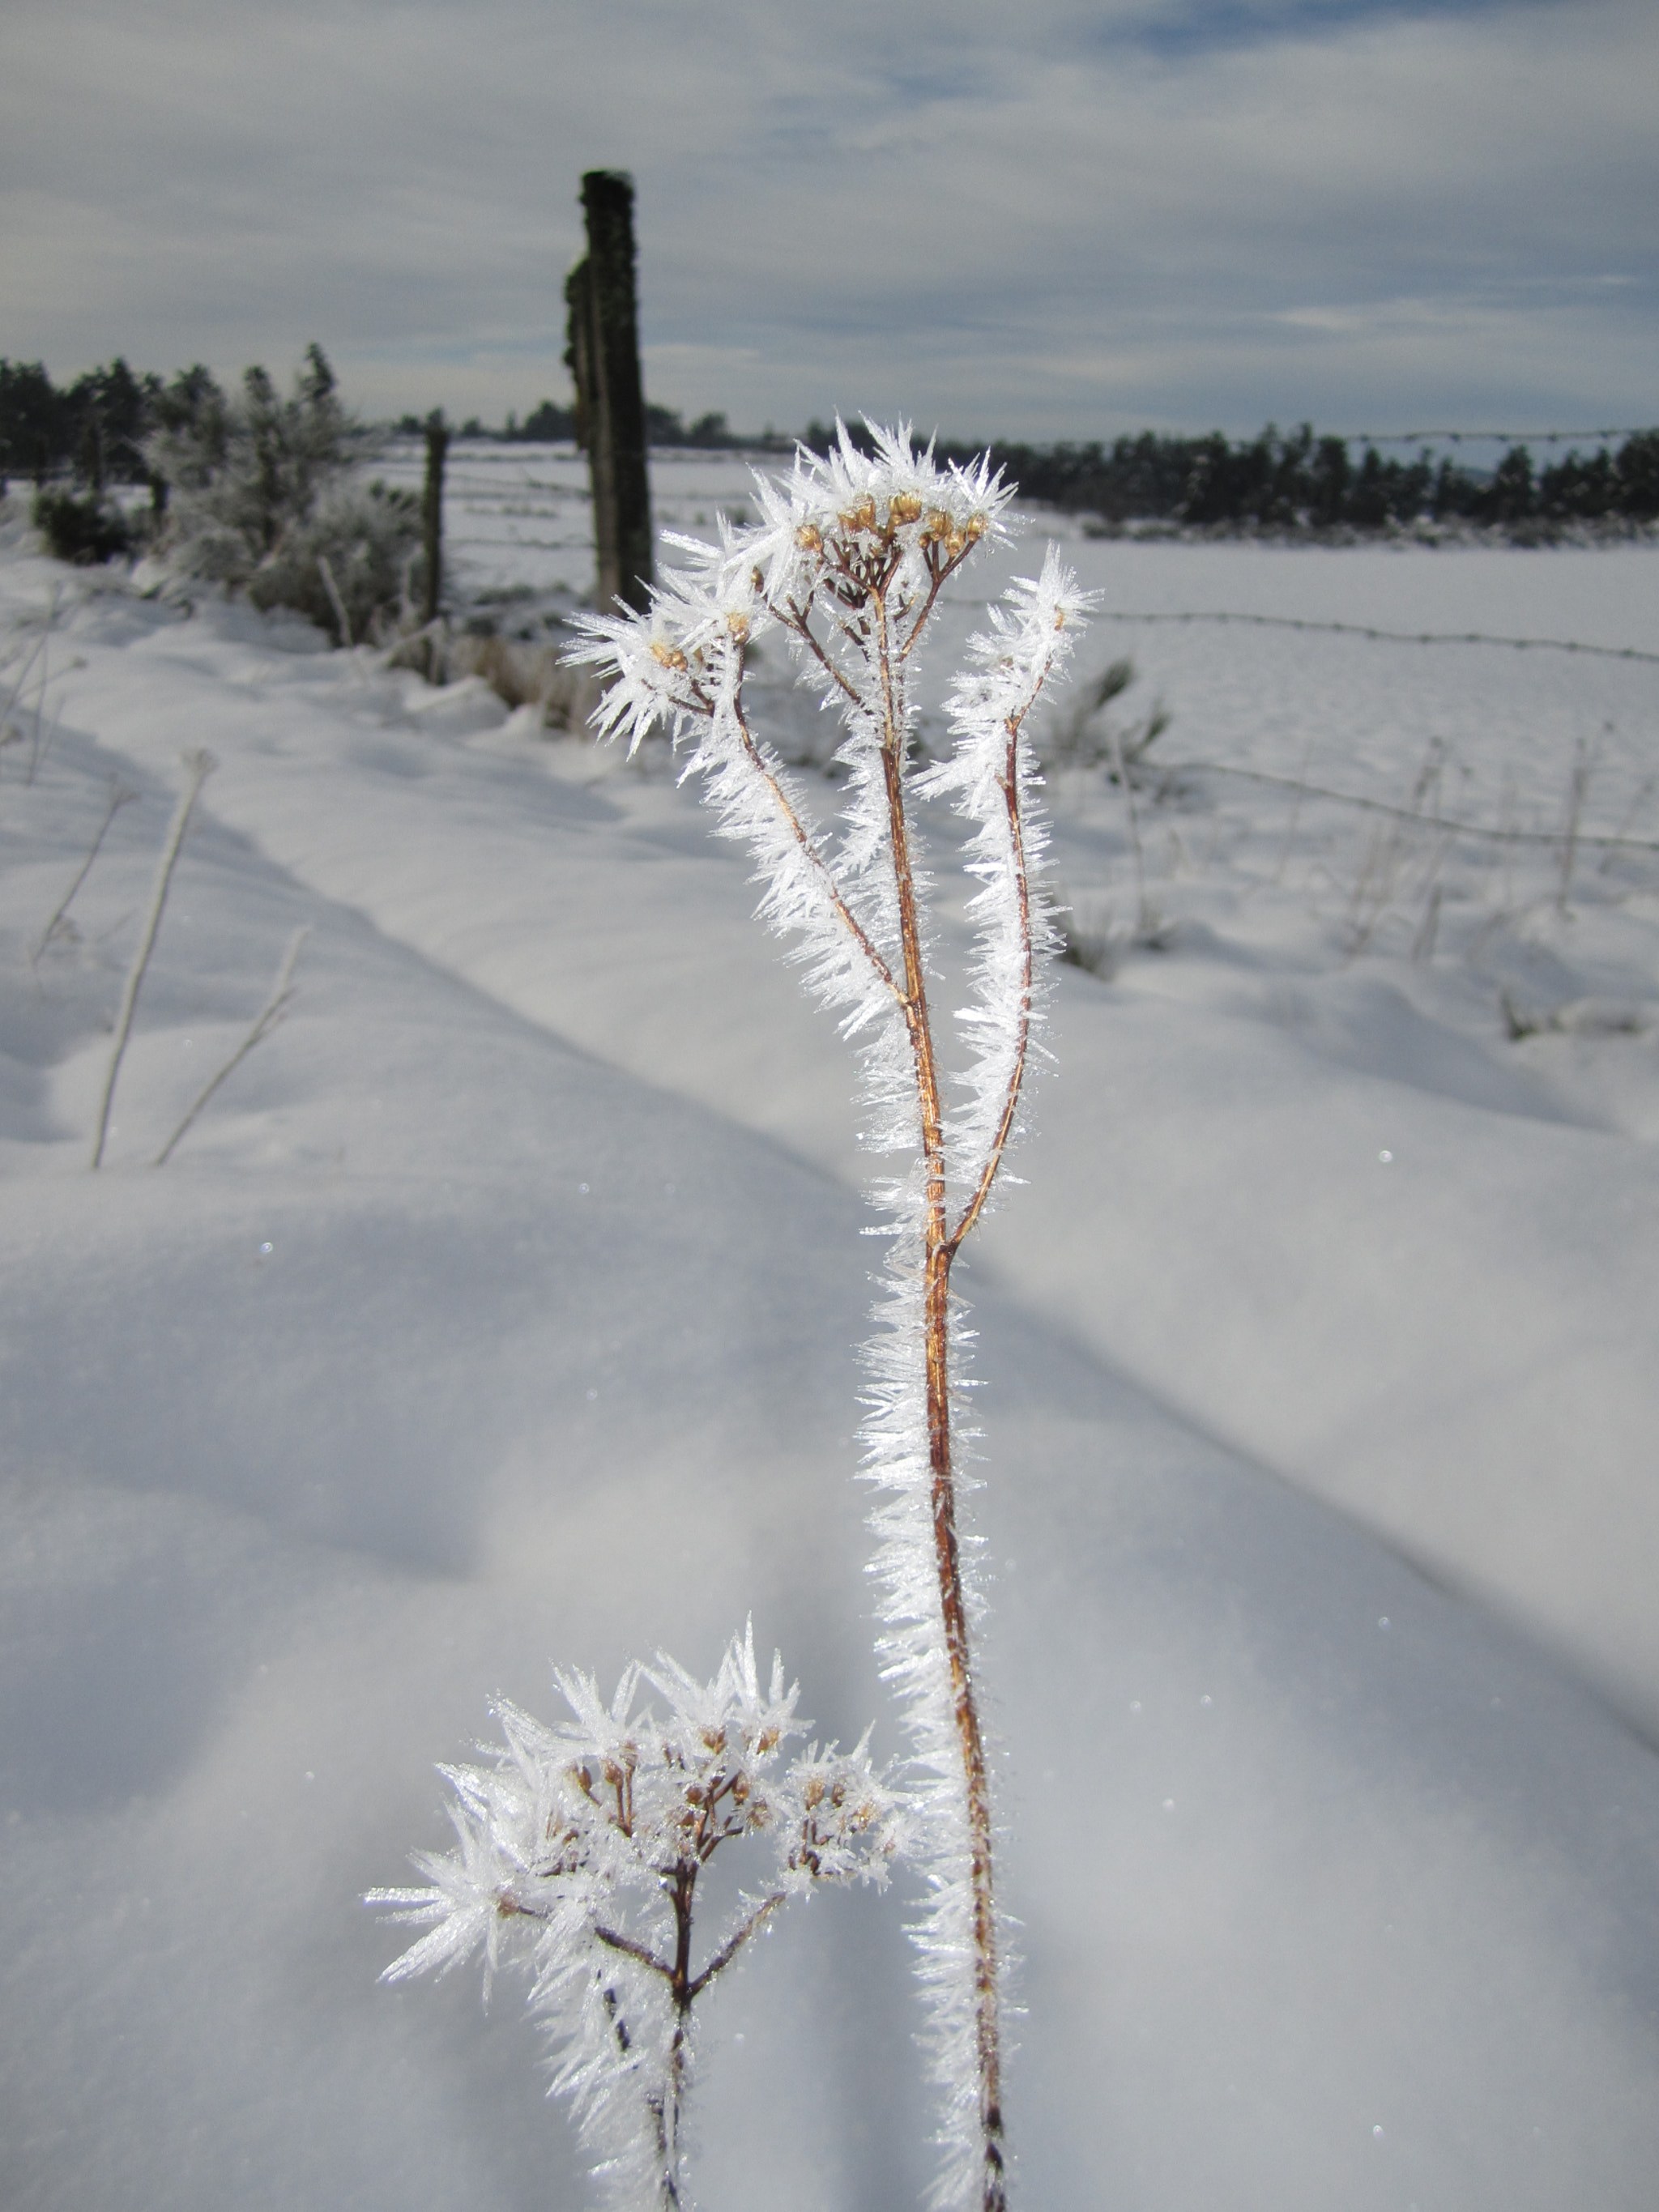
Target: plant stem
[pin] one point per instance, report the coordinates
(282, 991)
(200, 765)
(335, 600)
(119, 796)
(939, 1250)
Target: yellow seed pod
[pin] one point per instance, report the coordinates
(904, 506)
(955, 544)
(666, 655)
(738, 625)
(861, 516)
(975, 528)
(808, 538)
(938, 524)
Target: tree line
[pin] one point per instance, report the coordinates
(1298, 482)
(550, 424)
(1294, 480)
(95, 426)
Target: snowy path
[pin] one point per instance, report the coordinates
(550, 1355)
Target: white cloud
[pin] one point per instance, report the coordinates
(1066, 220)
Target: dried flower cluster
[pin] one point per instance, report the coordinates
(579, 1850)
(848, 560)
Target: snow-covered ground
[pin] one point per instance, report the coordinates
(502, 1308)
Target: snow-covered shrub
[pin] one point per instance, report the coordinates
(259, 491)
(351, 558)
(580, 1851)
(848, 560)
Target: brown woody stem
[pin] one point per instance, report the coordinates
(860, 584)
(939, 1250)
(729, 1950)
(1008, 783)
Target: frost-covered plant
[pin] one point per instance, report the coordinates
(260, 488)
(847, 559)
(346, 565)
(580, 1850)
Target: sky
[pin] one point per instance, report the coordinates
(1043, 221)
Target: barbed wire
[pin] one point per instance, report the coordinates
(1603, 840)
(1391, 636)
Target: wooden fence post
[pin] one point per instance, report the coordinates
(604, 359)
(432, 535)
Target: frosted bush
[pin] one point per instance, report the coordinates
(848, 560)
(261, 491)
(350, 559)
(579, 1849)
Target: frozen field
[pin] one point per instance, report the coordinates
(500, 1308)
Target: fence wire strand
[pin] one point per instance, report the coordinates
(1391, 636)
(1603, 840)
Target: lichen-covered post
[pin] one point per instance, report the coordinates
(604, 359)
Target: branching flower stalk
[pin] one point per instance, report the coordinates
(580, 1850)
(848, 560)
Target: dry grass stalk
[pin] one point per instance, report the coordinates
(120, 795)
(281, 995)
(198, 767)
